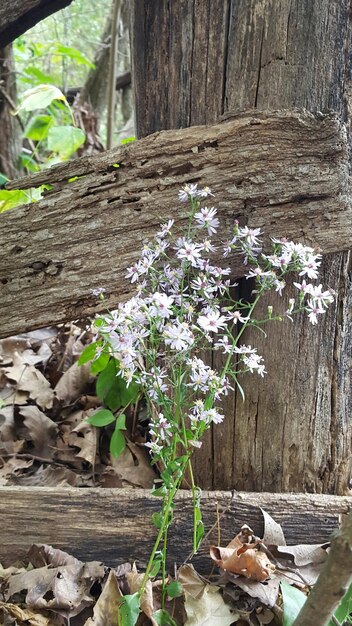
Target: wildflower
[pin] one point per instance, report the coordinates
(188, 191)
(250, 235)
(212, 321)
(257, 272)
(205, 192)
(303, 287)
(189, 251)
(279, 286)
(165, 229)
(207, 246)
(98, 292)
(322, 298)
(211, 415)
(314, 309)
(133, 273)
(253, 363)
(244, 350)
(161, 428)
(310, 267)
(223, 343)
(236, 316)
(160, 306)
(154, 447)
(178, 336)
(206, 218)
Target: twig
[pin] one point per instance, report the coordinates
(215, 525)
(34, 457)
(112, 73)
(333, 580)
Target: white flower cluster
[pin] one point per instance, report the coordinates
(156, 335)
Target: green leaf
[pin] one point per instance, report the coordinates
(121, 422)
(112, 390)
(3, 179)
(129, 610)
(100, 363)
(117, 443)
(65, 140)
(13, 198)
(159, 492)
(345, 607)
(293, 600)
(28, 163)
(73, 53)
(156, 565)
(101, 418)
(35, 75)
(199, 534)
(163, 618)
(128, 140)
(157, 520)
(39, 98)
(88, 353)
(174, 589)
(38, 127)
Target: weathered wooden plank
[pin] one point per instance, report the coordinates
(113, 525)
(285, 171)
(17, 16)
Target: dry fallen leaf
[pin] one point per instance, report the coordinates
(133, 467)
(243, 558)
(273, 533)
(135, 581)
(64, 588)
(41, 430)
(85, 437)
(105, 609)
(26, 616)
(204, 603)
(72, 383)
(12, 469)
(29, 379)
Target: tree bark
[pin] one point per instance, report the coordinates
(17, 16)
(72, 520)
(333, 581)
(86, 232)
(193, 60)
(10, 143)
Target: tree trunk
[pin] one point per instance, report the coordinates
(10, 143)
(193, 60)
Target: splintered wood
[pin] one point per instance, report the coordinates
(284, 171)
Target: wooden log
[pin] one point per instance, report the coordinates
(123, 80)
(17, 16)
(285, 171)
(113, 525)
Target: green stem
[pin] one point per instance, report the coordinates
(164, 525)
(194, 498)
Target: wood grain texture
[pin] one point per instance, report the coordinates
(287, 171)
(17, 16)
(113, 525)
(193, 61)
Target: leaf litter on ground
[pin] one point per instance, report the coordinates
(52, 587)
(46, 400)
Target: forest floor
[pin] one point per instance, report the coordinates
(46, 440)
